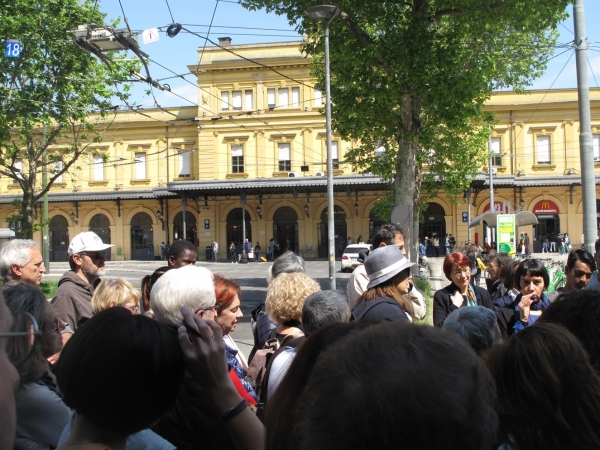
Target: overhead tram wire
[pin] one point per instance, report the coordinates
(263, 122)
(208, 31)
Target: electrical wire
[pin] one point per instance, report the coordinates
(208, 32)
(169, 8)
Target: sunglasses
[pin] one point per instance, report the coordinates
(95, 255)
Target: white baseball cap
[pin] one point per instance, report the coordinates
(87, 242)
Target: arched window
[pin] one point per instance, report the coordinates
(340, 232)
(100, 225)
(59, 238)
(285, 229)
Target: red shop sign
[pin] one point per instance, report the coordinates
(545, 207)
(498, 207)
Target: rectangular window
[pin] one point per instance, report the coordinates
(334, 155)
(237, 100)
(271, 98)
(237, 159)
(284, 98)
(495, 149)
(57, 167)
(225, 101)
(543, 150)
(249, 101)
(285, 164)
(18, 167)
(596, 147)
(318, 97)
(295, 97)
(140, 166)
(184, 164)
(379, 151)
(98, 168)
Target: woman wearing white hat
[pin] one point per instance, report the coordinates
(389, 273)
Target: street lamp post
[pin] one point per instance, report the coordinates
(317, 13)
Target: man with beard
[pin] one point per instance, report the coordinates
(579, 271)
(73, 299)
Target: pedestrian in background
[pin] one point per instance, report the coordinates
(257, 251)
(232, 252)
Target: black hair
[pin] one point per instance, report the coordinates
(396, 385)
(178, 247)
(582, 255)
(579, 312)
(121, 371)
(387, 234)
(597, 245)
(533, 266)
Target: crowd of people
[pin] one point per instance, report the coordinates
(105, 365)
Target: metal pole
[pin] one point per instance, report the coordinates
(243, 197)
(469, 213)
(330, 218)
(586, 154)
(46, 238)
(183, 205)
(491, 178)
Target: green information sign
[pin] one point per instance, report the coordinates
(506, 233)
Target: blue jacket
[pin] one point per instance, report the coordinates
(508, 302)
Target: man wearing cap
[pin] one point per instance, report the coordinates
(388, 234)
(73, 299)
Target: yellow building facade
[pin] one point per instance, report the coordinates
(256, 142)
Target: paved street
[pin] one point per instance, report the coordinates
(252, 279)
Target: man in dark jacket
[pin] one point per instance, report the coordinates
(73, 299)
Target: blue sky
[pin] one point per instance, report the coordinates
(244, 27)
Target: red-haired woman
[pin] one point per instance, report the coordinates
(459, 293)
(229, 299)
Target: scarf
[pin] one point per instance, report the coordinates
(470, 299)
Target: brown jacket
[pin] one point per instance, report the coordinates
(73, 300)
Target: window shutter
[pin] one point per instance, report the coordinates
(184, 164)
(237, 150)
(98, 168)
(271, 98)
(237, 100)
(296, 97)
(225, 101)
(318, 98)
(284, 98)
(57, 167)
(334, 150)
(543, 149)
(249, 101)
(596, 146)
(140, 166)
(18, 166)
(284, 152)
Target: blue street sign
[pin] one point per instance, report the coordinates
(465, 217)
(207, 224)
(13, 48)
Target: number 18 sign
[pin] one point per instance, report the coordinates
(13, 48)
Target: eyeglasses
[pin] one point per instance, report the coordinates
(95, 255)
(22, 337)
(463, 271)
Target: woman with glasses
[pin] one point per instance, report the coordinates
(229, 298)
(460, 292)
(116, 292)
(41, 413)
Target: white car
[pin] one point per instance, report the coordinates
(351, 255)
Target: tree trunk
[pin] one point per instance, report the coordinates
(406, 184)
(27, 213)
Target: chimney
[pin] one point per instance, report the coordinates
(224, 41)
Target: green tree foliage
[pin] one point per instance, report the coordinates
(411, 77)
(54, 99)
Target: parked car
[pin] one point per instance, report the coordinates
(350, 255)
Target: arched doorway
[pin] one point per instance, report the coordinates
(285, 227)
(101, 226)
(191, 230)
(375, 223)
(432, 226)
(340, 232)
(142, 237)
(59, 238)
(235, 232)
